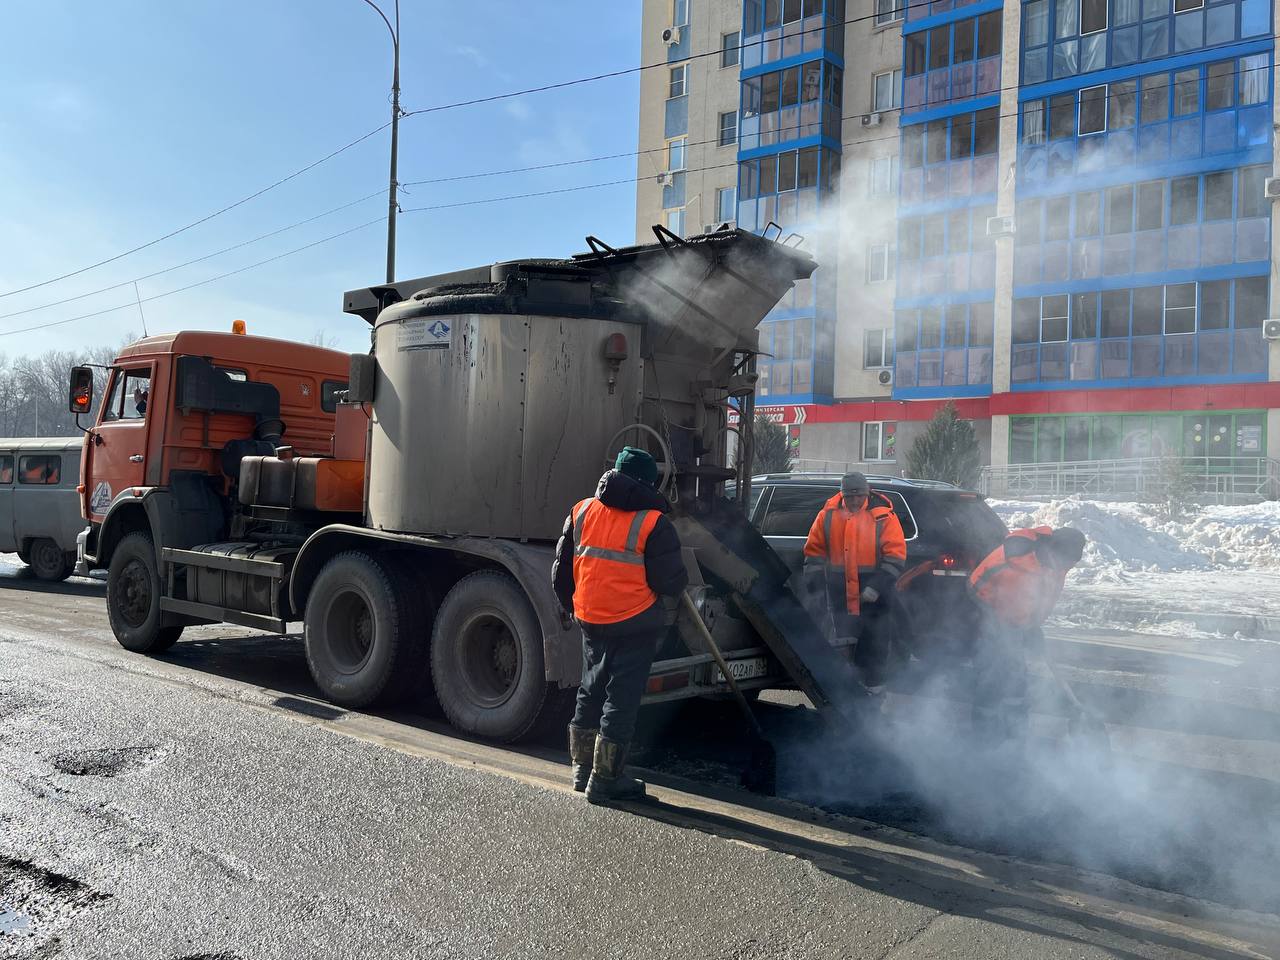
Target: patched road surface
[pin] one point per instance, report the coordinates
(205, 805)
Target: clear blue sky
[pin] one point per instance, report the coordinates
(120, 122)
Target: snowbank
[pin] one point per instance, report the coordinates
(1128, 538)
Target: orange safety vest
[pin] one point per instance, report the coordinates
(1019, 590)
(856, 543)
(609, 582)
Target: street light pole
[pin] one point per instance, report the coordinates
(392, 204)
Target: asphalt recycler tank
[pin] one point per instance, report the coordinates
(500, 392)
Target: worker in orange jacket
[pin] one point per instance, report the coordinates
(1016, 588)
(618, 557)
(852, 560)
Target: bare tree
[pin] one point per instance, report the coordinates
(33, 390)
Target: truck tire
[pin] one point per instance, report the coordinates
(486, 658)
(133, 597)
(362, 632)
(48, 560)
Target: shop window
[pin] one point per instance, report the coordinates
(878, 440)
(1022, 440)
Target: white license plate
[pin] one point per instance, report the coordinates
(746, 669)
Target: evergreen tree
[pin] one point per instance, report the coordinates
(772, 447)
(947, 450)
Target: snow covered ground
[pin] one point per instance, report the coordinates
(1217, 560)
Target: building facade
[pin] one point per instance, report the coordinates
(1054, 213)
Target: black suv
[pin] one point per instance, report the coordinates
(948, 531)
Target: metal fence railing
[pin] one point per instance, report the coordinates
(1204, 479)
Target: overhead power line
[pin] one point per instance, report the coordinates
(192, 286)
(204, 219)
(189, 263)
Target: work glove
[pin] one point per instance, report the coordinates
(870, 594)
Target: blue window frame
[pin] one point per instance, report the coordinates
(1187, 331)
(1063, 38)
(792, 104)
(944, 345)
(775, 30)
(951, 157)
(1216, 109)
(954, 61)
(786, 187)
(1177, 223)
(948, 251)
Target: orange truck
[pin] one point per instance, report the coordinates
(404, 503)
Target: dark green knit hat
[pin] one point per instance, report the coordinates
(638, 465)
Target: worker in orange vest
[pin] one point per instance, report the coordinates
(852, 560)
(617, 557)
(1016, 587)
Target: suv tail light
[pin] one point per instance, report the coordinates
(948, 565)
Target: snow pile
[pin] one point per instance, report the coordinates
(1127, 538)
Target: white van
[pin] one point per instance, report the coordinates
(39, 503)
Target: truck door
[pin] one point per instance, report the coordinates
(118, 450)
(7, 542)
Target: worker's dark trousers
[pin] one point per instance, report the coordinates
(616, 658)
(1000, 661)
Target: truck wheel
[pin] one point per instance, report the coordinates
(48, 560)
(360, 632)
(486, 658)
(133, 597)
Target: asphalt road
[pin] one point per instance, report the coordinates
(205, 805)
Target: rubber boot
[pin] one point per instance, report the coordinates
(582, 747)
(608, 783)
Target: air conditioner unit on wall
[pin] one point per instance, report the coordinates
(1271, 329)
(671, 36)
(1271, 188)
(999, 226)
(665, 179)
(871, 120)
(886, 378)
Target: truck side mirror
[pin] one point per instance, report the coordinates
(80, 395)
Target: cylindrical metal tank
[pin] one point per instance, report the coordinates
(494, 409)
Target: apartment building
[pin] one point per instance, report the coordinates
(1054, 213)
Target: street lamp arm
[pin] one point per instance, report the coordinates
(392, 30)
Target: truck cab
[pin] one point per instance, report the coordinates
(178, 413)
